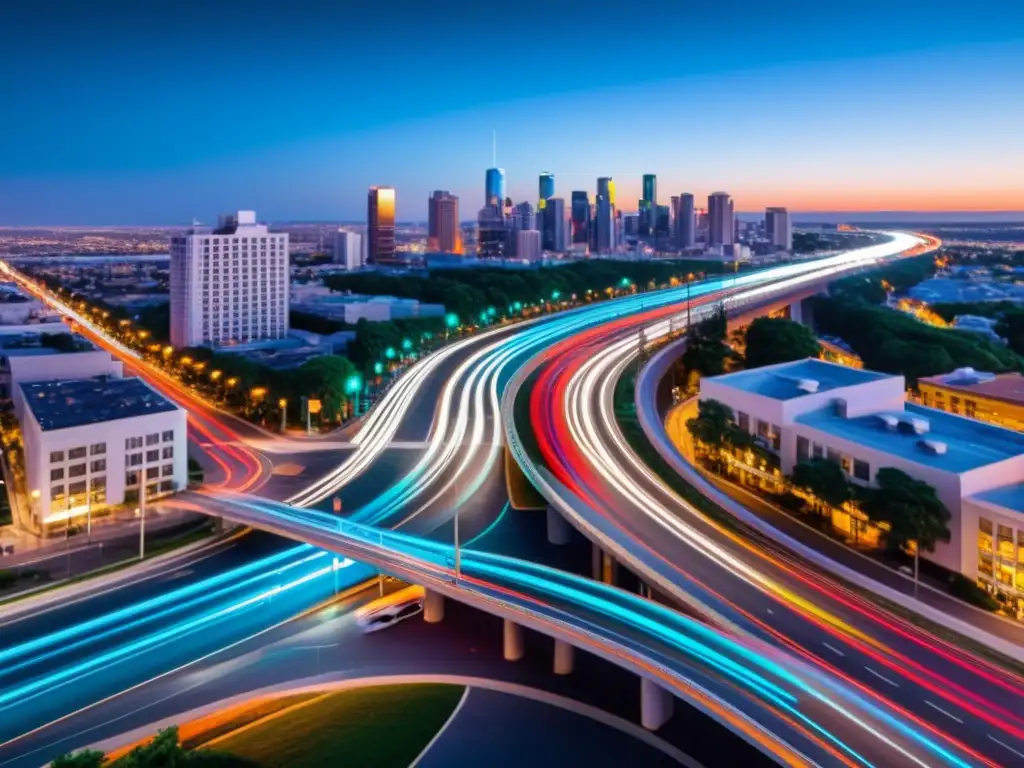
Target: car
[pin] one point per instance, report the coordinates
(388, 611)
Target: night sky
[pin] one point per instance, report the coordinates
(152, 112)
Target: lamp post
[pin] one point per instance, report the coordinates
(283, 405)
(689, 279)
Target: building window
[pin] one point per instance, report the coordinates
(803, 448)
(152, 456)
(166, 486)
(152, 473)
(861, 470)
(131, 443)
(135, 460)
(818, 451)
(970, 408)
(97, 448)
(100, 465)
(743, 420)
(57, 474)
(167, 470)
(846, 463)
(168, 452)
(77, 453)
(776, 437)
(76, 489)
(78, 470)
(131, 479)
(832, 455)
(99, 482)
(56, 492)
(152, 439)
(168, 435)
(56, 456)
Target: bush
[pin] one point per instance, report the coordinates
(790, 501)
(968, 590)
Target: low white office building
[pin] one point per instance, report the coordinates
(24, 357)
(861, 420)
(92, 443)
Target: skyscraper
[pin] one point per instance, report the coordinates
(348, 249)
(553, 236)
(580, 218)
(605, 223)
(648, 204)
(380, 225)
(492, 235)
(494, 187)
(244, 268)
(686, 222)
(444, 234)
(721, 221)
(662, 216)
(546, 187)
(778, 228)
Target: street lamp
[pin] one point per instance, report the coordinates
(451, 320)
(283, 405)
(689, 279)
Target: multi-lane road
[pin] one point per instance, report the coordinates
(591, 470)
(452, 450)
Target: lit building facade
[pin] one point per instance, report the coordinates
(546, 186)
(604, 224)
(995, 398)
(95, 443)
(491, 233)
(861, 421)
(553, 235)
(444, 234)
(380, 226)
(648, 206)
(229, 284)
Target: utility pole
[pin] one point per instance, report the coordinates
(142, 512)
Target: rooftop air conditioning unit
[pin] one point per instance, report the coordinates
(934, 447)
(914, 425)
(810, 386)
(839, 407)
(891, 422)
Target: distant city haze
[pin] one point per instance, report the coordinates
(131, 114)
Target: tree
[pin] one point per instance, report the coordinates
(706, 350)
(712, 425)
(910, 507)
(1011, 328)
(85, 758)
(772, 340)
(325, 378)
(824, 479)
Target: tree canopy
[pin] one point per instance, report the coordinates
(771, 340)
(706, 350)
(163, 751)
(910, 507)
(824, 479)
(713, 424)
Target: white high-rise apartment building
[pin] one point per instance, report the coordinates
(348, 249)
(229, 284)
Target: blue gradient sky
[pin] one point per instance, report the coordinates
(123, 113)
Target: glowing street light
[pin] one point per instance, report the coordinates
(389, 353)
(378, 368)
(406, 344)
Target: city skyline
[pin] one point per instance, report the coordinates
(811, 110)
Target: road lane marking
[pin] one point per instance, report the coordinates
(833, 649)
(1005, 745)
(937, 708)
(882, 677)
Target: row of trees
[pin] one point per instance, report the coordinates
(467, 292)
(163, 751)
(905, 509)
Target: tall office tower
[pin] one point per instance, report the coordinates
(604, 224)
(580, 218)
(553, 234)
(721, 221)
(673, 208)
(527, 244)
(522, 217)
(661, 220)
(686, 222)
(491, 233)
(444, 235)
(380, 226)
(546, 188)
(348, 249)
(494, 187)
(229, 284)
(778, 228)
(648, 204)
(631, 225)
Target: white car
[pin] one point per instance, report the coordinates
(388, 611)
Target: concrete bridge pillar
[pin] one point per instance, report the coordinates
(513, 642)
(433, 607)
(559, 530)
(564, 657)
(655, 705)
(603, 566)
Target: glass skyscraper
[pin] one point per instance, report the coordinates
(649, 205)
(494, 187)
(380, 225)
(547, 186)
(580, 218)
(605, 223)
